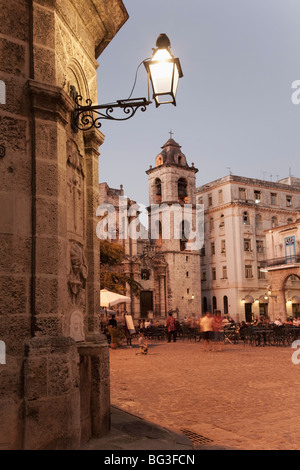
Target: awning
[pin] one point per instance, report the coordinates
(109, 299)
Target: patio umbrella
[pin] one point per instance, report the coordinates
(108, 298)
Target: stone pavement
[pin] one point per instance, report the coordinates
(180, 397)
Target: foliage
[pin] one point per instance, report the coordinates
(111, 257)
(111, 253)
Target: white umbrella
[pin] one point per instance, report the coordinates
(108, 298)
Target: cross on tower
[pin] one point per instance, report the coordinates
(171, 133)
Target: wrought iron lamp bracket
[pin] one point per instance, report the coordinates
(86, 116)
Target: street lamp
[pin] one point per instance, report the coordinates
(163, 71)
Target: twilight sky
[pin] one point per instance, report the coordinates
(234, 108)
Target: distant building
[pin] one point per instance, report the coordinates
(283, 267)
(238, 211)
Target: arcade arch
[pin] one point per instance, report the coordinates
(284, 298)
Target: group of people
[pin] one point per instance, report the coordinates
(211, 326)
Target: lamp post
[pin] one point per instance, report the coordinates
(163, 72)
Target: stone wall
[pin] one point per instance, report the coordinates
(49, 263)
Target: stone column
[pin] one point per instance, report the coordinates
(162, 293)
(92, 140)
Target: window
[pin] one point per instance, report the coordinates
(188, 291)
(200, 200)
(157, 190)
(211, 223)
(258, 223)
(248, 272)
(203, 276)
(220, 196)
(247, 244)
(145, 274)
(225, 304)
(257, 197)
(242, 193)
(214, 274)
(224, 272)
(212, 248)
(274, 198)
(261, 274)
(259, 246)
(289, 201)
(187, 274)
(246, 220)
(289, 221)
(222, 221)
(274, 222)
(210, 199)
(223, 246)
(182, 189)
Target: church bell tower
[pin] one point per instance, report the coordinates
(172, 190)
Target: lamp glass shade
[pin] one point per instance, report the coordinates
(164, 72)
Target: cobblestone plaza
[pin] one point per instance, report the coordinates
(243, 398)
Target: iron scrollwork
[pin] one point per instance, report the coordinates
(84, 117)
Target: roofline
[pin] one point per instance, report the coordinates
(245, 180)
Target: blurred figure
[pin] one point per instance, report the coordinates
(218, 329)
(206, 325)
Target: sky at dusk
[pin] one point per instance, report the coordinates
(234, 109)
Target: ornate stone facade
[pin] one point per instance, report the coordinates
(55, 384)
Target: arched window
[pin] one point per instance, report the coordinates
(274, 221)
(289, 221)
(214, 302)
(182, 189)
(204, 305)
(157, 190)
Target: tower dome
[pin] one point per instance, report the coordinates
(171, 155)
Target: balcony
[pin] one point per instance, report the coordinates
(285, 261)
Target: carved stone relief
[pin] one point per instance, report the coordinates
(78, 270)
(76, 326)
(75, 182)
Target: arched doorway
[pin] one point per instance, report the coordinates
(248, 301)
(284, 286)
(292, 296)
(263, 305)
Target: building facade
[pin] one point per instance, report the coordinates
(238, 211)
(283, 267)
(54, 390)
(164, 261)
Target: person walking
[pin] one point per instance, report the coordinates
(206, 325)
(218, 329)
(171, 328)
